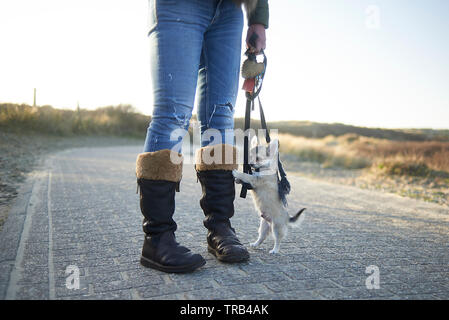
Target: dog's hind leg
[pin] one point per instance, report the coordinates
(279, 233)
(264, 230)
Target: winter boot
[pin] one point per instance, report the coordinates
(214, 165)
(158, 177)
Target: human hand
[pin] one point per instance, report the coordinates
(259, 30)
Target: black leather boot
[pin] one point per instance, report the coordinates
(217, 202)
(158, 179)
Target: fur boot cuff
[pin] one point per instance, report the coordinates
(216, 157)
(159, 165)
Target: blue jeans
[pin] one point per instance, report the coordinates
(194, 43)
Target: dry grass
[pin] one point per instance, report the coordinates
(329, 152)
(351, 151)
(423, 156)
(120, 120)
(415, 169)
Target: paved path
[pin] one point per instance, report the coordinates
(81, 209)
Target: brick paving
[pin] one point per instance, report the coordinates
(81, 209)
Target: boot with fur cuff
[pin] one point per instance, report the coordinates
(214, 165)
(158, 177)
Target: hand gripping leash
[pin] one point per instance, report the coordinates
(254, 72)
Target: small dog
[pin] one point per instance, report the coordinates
(273, 215)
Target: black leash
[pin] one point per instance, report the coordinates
(283, 184)
(250, 97)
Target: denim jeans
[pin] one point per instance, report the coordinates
(194, 44)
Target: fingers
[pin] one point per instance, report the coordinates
(260, 45)
(257, 49)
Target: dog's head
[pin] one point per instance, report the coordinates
(263, 157)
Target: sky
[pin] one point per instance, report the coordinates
(376, 63)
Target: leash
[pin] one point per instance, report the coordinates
(254, 73)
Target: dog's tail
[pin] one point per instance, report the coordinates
(297, 219)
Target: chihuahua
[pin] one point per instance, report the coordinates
(274, 217)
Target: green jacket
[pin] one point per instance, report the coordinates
(260, 14)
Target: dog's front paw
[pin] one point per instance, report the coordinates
(235, 173)
(274, 251)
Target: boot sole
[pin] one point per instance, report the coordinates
(227, 258)
(147, 263)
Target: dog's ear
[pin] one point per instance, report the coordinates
(274, 147)
(254, 141)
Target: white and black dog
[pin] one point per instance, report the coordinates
(264, 182)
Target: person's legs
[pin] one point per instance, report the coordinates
(176, 41)
(218, 80)
(176, 38)
(218, 87)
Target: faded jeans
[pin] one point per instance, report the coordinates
(194, 45)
